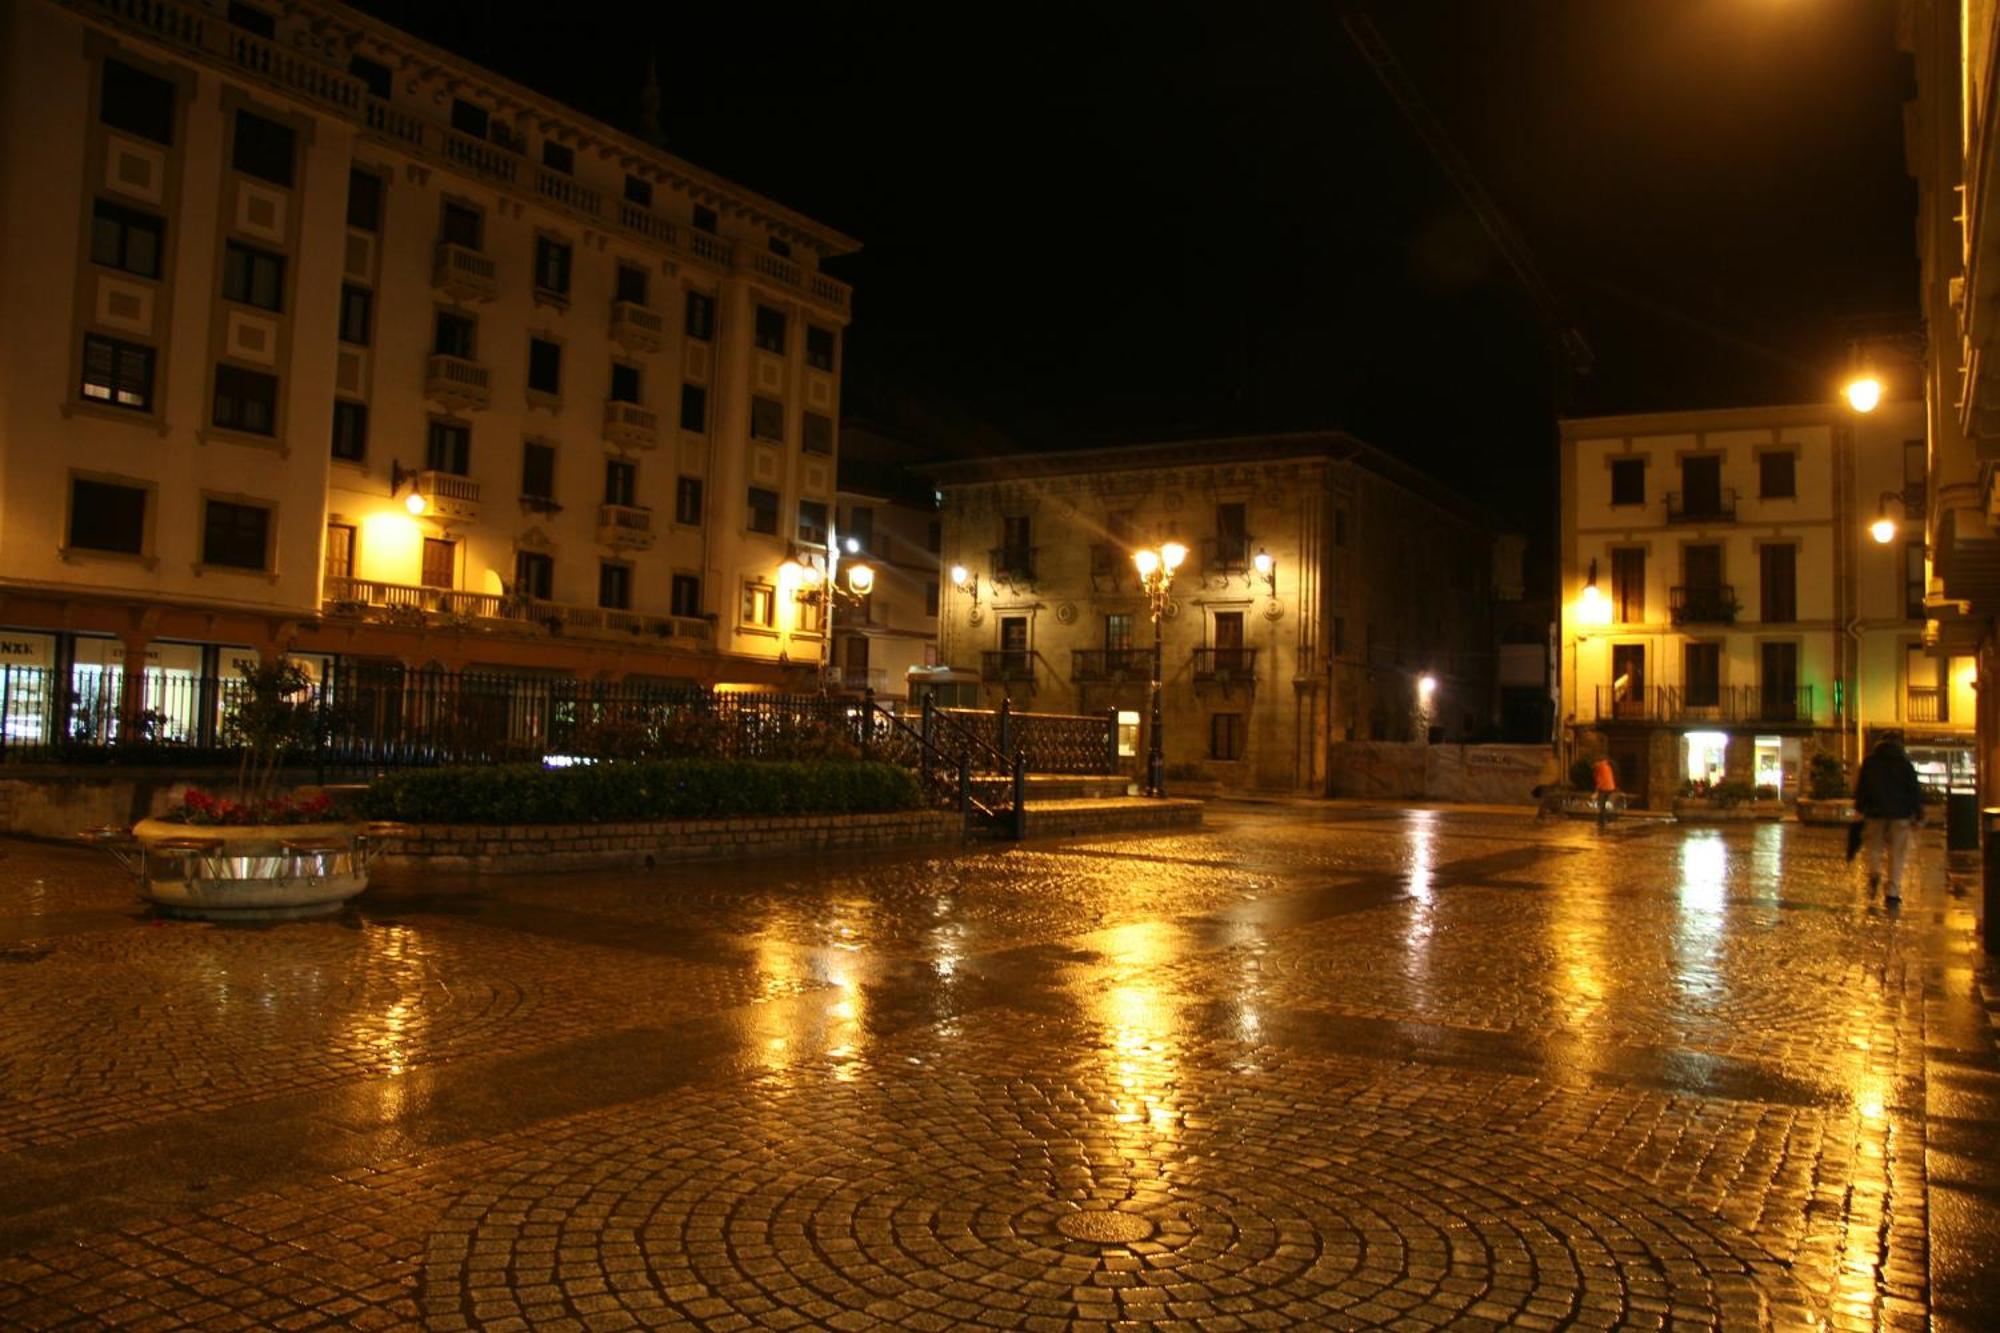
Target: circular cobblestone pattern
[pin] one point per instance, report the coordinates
(1028, 1201)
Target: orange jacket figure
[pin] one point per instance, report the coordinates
(1603, 777)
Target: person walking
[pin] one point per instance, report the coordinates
(1604, 779)
(1890, 801)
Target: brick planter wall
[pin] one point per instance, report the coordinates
(504, 848)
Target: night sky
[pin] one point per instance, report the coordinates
(1090, 222)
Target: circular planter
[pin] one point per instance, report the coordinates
(256, 872)
(1701, 810)
(1827, 810)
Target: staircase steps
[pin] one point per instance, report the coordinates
(1054, 786)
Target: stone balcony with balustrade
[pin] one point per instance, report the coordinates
(464, 274)
(637, 329)
(456, 383)
(630, 425)
(376, 601)
(629, 527)
(447, 495)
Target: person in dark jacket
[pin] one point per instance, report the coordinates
(1890, 801)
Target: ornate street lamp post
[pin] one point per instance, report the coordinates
(828, 593)
(1156, 576)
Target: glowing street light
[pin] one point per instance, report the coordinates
(1864, 393)
(416, 504)
(1156, 578)
(1883, 529)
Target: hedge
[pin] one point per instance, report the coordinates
(642, 790)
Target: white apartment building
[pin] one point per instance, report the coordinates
(316, 339)
(1729, 606)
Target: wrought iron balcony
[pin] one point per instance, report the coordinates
(1015, 564)
(1717, 508)
(454, 382)
(1225, 664)
(1704, 604)
(1226, 553)
(1007, 664)
(1091, 665)
(1701, 702)
(464, 273)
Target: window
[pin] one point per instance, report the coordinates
(694, 407)
(1225, 736)
(624, 383)
(816, 436)
(236, 536)
(538, 471)
(254, 277)
(263, 149)
(931, 597)
(639, 190)
(534, 575)
(700, 316)
(364, 200)
(861, 527)
(462, 225)
(118, 373)
(252, 20)
(1914, 581)
(440, 563)
(760, 605)
(1780, 663)
(454, 335)
(1117, 631)
(1778, 571)
(545, 366)
(136, 102)
(770, 334)
(1016, 545)
(375, 75)
(763, 506)
(357, 315)
(812, 522)
(1777, 475)
(470, 118)
(614, 585)
(687, 501)
(123, 238)
(1628, 481)
(1232, 541)
(1701, 485)
(631, 284)
(340, 550)
(1701, 667)
(621, 481)
(819, 347)
(1628, 585)
(780, 247)
(1627, 692)
(350, 430)
(559, 158)
(704, 219)
(104, 516)
(685, 599)
(246, 400)
(767, 419)
(551, 266)
(448, 448)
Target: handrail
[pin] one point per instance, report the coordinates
(957, 775)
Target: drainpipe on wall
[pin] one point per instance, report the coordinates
(1853, 628)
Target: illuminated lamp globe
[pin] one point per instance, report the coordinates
(861, 578)
(1426, 686)
(853, 545)
(1148, 563)
(1172, 554)
(1264, 564)
(1864, 394)
(416, 504)
(1883, 530)
(806, 575)
(958, 576)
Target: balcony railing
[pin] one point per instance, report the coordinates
(1110, 665)
(456, 382)
(1706, 703)
(636, 328)
(1007, 664)
(465, 273)
(1685, 508)
(447, 494)
(1226, 554)
(1704, 604)
(1225, 664)
(625, 525)
(1014, 563)
(631, 425)
(372, 599)
(858, 678)
(1926, 703)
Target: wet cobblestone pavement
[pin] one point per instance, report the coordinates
(1310, 1066)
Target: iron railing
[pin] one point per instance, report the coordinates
(1706, 703)
(1089, 665)
(1225, 664)
(1703, 604)
(1686, 508)
(1007, 664)
(1044, 742)
(1014, 563)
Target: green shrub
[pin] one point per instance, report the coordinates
(1581, 778)
(1827, 777)
(654, 789)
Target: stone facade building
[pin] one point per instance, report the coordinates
(1379, 582)
(1730, 606)
(316, 339)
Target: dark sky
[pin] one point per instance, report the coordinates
(1089, 221)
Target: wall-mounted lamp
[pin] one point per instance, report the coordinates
(1267, 570)
(1864, 393)
(965, 581)
(414, 501)
(1592, 606)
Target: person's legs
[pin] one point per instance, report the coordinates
(1874, 842)
(1899, 855)
(1603, 803)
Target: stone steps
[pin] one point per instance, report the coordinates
(1056, 786)
(1069, 817)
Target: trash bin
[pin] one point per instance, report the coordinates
(1989, 907)
(1961, 821)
